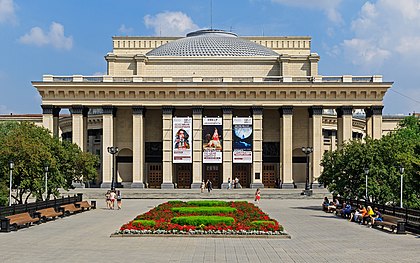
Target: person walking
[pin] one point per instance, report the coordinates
(209, 185)
(119, 199)
(202, 186)
(108, 199)
(112, 199)
(229, 184)
(257, 195)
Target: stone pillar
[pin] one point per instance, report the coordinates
(315, 113)
(369, 129)
(50, 119)
(284, 65)
(140, 64)
(138, 147)
(257, 162)
(79, 126)
(377, 121)
(344, 124)
(286, 145)
(107, 141)
(197, 147)
(227, 145)
(333, 137)
(167, 112)
(313, 60)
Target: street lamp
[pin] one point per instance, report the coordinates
(46, 180)
(11, 167)
(366, 183)
(401, 184)
(113, 150)
(307, 150)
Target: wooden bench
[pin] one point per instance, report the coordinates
(392, 222)
(70, 209)
(84, 205)
(17, 220)
(48, 213)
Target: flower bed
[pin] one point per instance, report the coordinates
(220, 219)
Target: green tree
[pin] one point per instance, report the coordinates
(32, 148)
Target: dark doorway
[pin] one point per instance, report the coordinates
(269, 175)
(214, 173)
(154, 175)
(183, 175)
(243, 173)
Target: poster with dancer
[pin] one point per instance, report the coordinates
(242, 139)
(212, 140)
(182, 144)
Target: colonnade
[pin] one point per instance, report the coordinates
(344, 133)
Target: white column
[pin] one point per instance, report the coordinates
(369, 120)
(257, 162)
(333, 137)
(315, 113)
(48, 117)
(286, 145)
(79, 126)
(227, 145)
(138, 147)
(107, 141)
(167, 148)
(344, 125)
(377, 122)
(197, 147)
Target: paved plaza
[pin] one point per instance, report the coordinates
(316, 237)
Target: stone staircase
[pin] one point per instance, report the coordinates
(237, 194)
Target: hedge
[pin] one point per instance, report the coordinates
(208, 203)
(259, 223)
(150, 223)
(202, 220)
(203, 210)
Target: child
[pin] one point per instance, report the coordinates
(257, 195)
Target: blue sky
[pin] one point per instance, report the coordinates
(352, 37)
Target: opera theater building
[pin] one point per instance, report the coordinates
(211, 105)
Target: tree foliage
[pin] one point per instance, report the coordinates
(32, 148)
(344, 168)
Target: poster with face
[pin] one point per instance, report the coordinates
(182, 144)
(242, 139)
(212, 140)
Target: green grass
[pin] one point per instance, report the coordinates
(203, 210)
(202, 220)
(208, 203)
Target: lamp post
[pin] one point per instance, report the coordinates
(11, 167)
(113, 151)
(366, 183)
(401, 184)
(307, 150)
(46, 168)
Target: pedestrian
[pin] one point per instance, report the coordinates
(235, 183)
(209, 185)
(112, 199)
(119, 199)
(229, 184)
(202, 186)
(257, 195)
(108, 199)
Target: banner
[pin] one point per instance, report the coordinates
(212, 140)
(242, 139)
(182, 142)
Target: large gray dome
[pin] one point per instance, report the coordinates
(211, 43)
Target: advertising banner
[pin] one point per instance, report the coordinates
(212, 140)
(182, 144)
(242, 139)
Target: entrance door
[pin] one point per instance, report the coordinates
(184, 175)
(269, 175)
(212, 172)
(243, 173)
(155, 175)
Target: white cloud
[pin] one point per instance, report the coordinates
(170, 23)
(7, 11)
(383, 30)
(329, 7)
(125, 30)
(54, 37)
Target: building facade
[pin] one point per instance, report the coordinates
(212, 105)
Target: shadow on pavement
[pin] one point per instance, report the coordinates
(317, 208)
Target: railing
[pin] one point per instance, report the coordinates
(411, 216)
(32, 207)
(286, 79)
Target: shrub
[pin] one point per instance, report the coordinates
(146, 223)
(203, 220)
(207, 203)
(259, 223)
(203, 210)
(175, 202)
